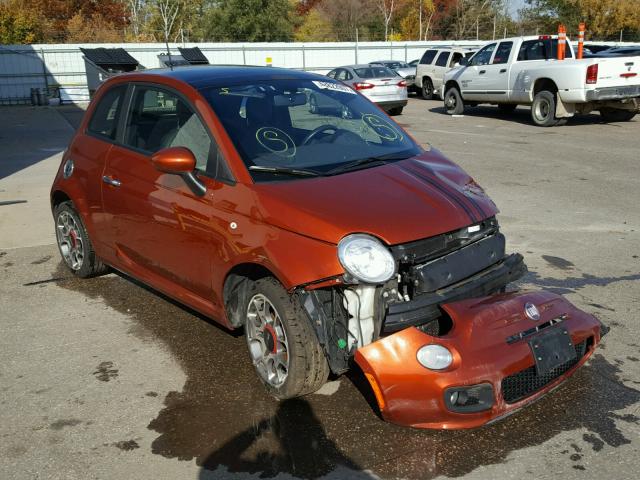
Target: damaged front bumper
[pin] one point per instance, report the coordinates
(494, 370)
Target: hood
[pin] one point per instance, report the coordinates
(405, 72)
(398, 202)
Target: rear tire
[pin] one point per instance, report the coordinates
(616, 115)
(282, 334)
(543, 109)
(453, 103)
(74, 244)
(427, 89)
(396, 111)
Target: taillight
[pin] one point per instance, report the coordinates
(363, 85)
(402, 83)
(592, 74)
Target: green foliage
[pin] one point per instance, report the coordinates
(18, 25)
(249, 21)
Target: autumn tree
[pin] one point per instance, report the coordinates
(20, 23)
(315, 28)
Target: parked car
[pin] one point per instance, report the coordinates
(525, 71)
(414, 63)
(433, 65)
(403, 69)
(329, 238)
(632, 51)
(376, 82)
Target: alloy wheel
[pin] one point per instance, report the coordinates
(267, 340)
(70, 240)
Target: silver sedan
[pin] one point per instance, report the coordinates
(376, 82)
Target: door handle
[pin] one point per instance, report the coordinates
(504, 70)
(111, 181)
(482, 72)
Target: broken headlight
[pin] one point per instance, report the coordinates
(366, 259)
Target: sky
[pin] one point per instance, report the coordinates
(514, 6)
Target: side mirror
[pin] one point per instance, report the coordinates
(179, 161)
(464, 61)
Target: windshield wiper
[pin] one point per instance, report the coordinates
(298, 172)
(366, 162)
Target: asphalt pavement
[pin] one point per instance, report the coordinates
(105, 378)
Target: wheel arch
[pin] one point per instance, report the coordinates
(544, 84)
(236, 287)
(58, 197)
(452, 84)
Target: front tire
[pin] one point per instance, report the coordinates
(283, 347)
(74, 244)
(453, 103)
(395, 111)
(543, 109)
(616, 115)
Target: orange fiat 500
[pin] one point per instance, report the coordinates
(327, 233)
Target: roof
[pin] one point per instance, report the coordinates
(194, 56)
(109, 56)
(216, 75)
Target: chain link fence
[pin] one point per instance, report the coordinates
(58, 71)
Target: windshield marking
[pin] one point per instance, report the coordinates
(383, 128)
(276, 137)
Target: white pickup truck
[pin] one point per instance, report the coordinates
(525, 71)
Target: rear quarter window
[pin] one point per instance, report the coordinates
(104, 121)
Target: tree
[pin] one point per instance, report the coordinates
(249, 21)
(95, 29)
(604, 18)
(416, 21)
(315, 28)
(20, 24)
(386, 8)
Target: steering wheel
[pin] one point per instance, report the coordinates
(314, 133)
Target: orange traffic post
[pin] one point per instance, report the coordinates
(562, 37)
(581, 29)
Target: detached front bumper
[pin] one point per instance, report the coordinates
(493, 368)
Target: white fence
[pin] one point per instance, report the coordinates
(61, 68)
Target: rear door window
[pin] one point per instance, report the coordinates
(104, 121)
(541, 49)
(428, 57)
(503, 52)
(442, 59)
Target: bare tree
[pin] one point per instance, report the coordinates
(168, 10)
(386, 8)
(135, 12)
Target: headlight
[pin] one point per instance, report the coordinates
(434, 357)
(366, 259)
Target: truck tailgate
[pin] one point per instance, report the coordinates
(618, 72)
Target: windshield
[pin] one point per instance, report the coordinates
(308, 126)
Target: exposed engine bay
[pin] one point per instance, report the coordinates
(466, 263)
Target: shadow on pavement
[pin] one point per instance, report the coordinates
(225, 421)
(521, 115)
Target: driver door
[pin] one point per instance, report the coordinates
(474, 79)
(159, 229)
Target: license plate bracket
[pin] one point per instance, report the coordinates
(552, 349)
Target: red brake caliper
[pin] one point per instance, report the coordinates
(74, 236)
